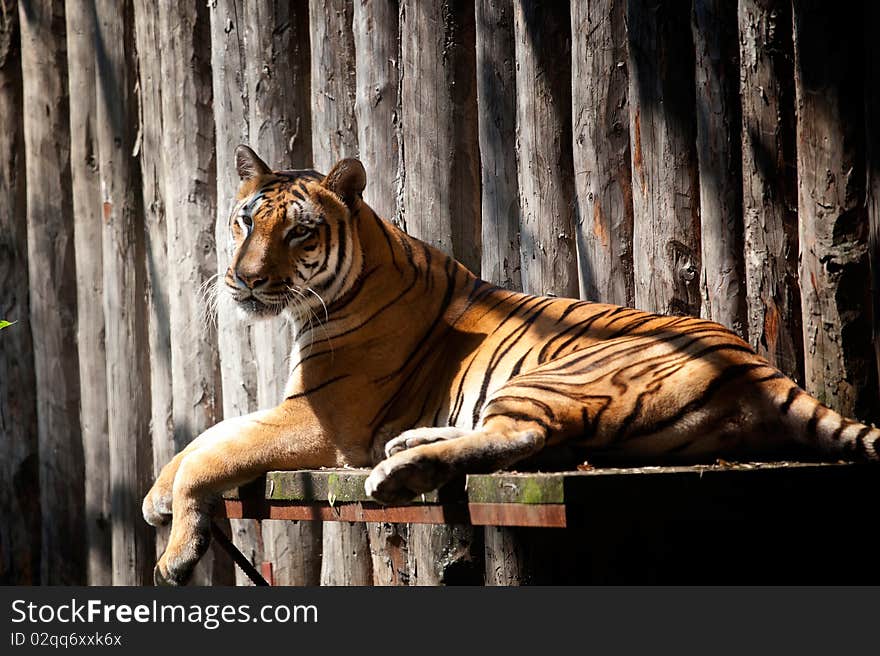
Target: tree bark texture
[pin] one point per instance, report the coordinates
(52, 278)
(445, 554)
(388, 549)
(496, 100)
(346, 548)
(770, 184)
(19, 511)
(833, 221)
(506, 557)
(377, 74)
(666, 213)
(87, 223)
(602, 166)
(190, 211)
(720, 164)
(441, 194)
(334, 132)
(346, 558)
(151, 156)
(294, 549)
(543, 135)
(128, 377)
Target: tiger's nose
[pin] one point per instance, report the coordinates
(249, 281)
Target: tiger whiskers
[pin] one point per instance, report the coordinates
(301, 302)
(211, 295)
(323, 304)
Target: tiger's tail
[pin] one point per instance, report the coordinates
(816, 425)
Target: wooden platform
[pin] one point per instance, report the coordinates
(576, 498)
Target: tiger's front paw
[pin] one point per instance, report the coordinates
(181, 556)
(156, 507)
(405, 475)
(420, 436)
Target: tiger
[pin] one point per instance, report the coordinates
(406, 362)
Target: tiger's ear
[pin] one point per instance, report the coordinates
(347, 180)
(248, 164)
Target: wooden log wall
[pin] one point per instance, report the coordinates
(52, 282)
(700, 158)
(832, 211)
(80, 18)
(123, 247)
(20, 500)
(769, 196)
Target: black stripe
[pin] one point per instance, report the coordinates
(860, 439)
(793, 393)
(517, 416)
(727, 376)
(321, 386)
(519, 363)
(810, 428)
(498, 355)
(420, 352)
(545, 407)
(571, 308)
(387, 235)
(844, 424)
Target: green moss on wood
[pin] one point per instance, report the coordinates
(516, 488)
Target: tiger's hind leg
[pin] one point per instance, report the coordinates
(675, 397)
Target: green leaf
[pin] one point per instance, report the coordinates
(4, 324)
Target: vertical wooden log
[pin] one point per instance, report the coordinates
(445, 554)
(666, 212)
(389, 544)
(720, 166)
(190, 211)
(506, 557)
(238, 366)
(833, 221)
(376, 34)
(52, 280)
(128, 403)
(346, 558)
(334, 129)
(80, 19)
(544, 154)
(376, 31)
(441, 203)
(19, 512)
(441, 195)
(346, 552)
(602, 166)
(496, 99)
(770, 183)
(872, 124)
(294, 549)
(150, 153)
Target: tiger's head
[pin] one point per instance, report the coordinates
(290, 235)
